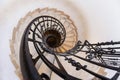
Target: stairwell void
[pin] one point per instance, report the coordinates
(48, 44)
(50, 49)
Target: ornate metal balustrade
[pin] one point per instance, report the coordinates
(46, 34)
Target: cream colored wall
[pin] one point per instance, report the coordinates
(95, 20)
(103, 19)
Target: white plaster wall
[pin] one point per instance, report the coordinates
(97, 21)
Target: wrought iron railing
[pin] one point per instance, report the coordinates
(47, 33)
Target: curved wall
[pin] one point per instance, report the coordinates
(95, 20)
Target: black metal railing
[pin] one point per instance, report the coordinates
(46, 33)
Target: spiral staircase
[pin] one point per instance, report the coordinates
(45, 46)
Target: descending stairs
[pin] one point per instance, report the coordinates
(69, 43)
